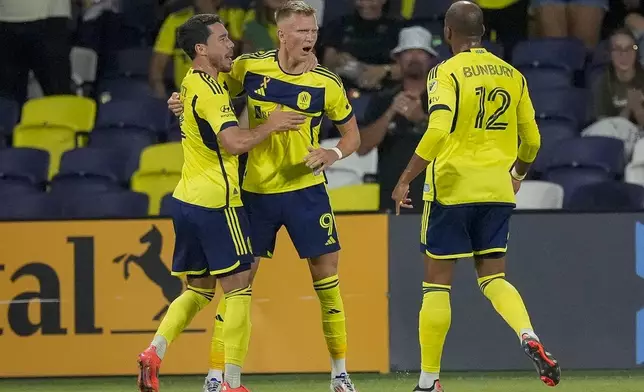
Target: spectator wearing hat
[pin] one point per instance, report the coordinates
(396, 118)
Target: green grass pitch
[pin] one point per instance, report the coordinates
(626, 381)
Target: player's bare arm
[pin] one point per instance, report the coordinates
(429, 146)
(238, 140)
(321, 158)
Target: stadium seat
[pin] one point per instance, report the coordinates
(166, 209)
(151, 113)
(638, 152)
(535, 195)
(352, 169)
(123, 204)
(129, 141)
(159, 172)
(569, 104)
(565, 53)
(134, 62)
(90, 170)
(602, 153)
(25, 164)
(9, 114)
(634, 173)
(361, 197)
(546, 78)
(608, 196)
(28, 206)
(123, 88)
(53, 139)
(552, 132)
(77, 113)
(84, 64)
(571, 178)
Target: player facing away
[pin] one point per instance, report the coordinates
(284, 180)
(211, 227)
(478, 106)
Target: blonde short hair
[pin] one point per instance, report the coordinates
(291, 7)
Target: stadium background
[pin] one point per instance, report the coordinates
(85, 243)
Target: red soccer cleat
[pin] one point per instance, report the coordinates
(149, 364)
(227, 388)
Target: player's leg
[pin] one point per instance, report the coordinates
(490, 231)
(311, 225)
(189, 260)
(443, 239)
(264, 221)
(230, 259)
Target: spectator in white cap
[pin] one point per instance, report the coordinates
(397, 117)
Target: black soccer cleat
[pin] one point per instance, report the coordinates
(437, 387)
(546, 365)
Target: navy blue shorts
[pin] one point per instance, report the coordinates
(208, 241)
(454, 232)
(306, 213)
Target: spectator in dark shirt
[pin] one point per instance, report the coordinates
(396, 118)
(357, 46)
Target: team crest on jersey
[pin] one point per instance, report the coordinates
(304, 100)
(432, 86)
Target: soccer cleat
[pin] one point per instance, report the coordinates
(227, 388)
(342, 383)
(437, 387)
(212, 385)
(546, 365)
(149, 364)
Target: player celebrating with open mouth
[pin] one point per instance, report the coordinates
(284, 181)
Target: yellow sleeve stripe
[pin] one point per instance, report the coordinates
(214, 86)
(328, 74)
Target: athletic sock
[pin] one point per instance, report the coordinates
(217, 351)
(236, 333)
(333, 322)
(434, 321)
(507, 302)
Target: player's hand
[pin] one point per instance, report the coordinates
(280, 120)
(319, 159)
(175, 105)
(311, 62)
(401, 197)
(516, 185)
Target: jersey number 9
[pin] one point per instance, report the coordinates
(326, 221)
(492, 123)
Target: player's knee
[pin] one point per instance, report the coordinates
(324, 266)
(236, 279)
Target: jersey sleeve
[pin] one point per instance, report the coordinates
(165, 41)
(214, 106)
(336, 104)
(525, 110)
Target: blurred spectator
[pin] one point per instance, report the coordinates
(506, 21)
(358, 46)
(618, 96)
(165, 47)
(581, 19)
(260, 30)
(35, 35)
(396, 118)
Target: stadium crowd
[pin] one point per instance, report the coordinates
(84, 85)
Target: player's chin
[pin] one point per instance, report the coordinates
(226, 65)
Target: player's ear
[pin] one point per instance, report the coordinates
(280, 36)
(200, 49)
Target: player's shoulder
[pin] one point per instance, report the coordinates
(201, 83)
(181, 15)
(258, 57)
(325, 75)
(444, 67)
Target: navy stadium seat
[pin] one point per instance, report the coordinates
(129, 141)
(165, 205)
(151, 113)
(123, 204)
(602, 153)
(552, 132)
(546, 78)
(571, 178)
(22, 164)
(569, 104)
(565, 53)
(608, 196)
(28, 206)
(122, 88)
(9, 115)
(90, 170)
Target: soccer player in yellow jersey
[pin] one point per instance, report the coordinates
(284, 180)
(478, 108)
(212, 235)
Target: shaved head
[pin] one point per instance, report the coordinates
(465, 20)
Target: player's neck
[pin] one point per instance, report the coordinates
(204, 66)
(465, 45)
(289, 64)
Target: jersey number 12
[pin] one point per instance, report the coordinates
(492, 123)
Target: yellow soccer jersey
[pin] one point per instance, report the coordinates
(210, 175)
(479, 100)
(277, 164)
(165, 43)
